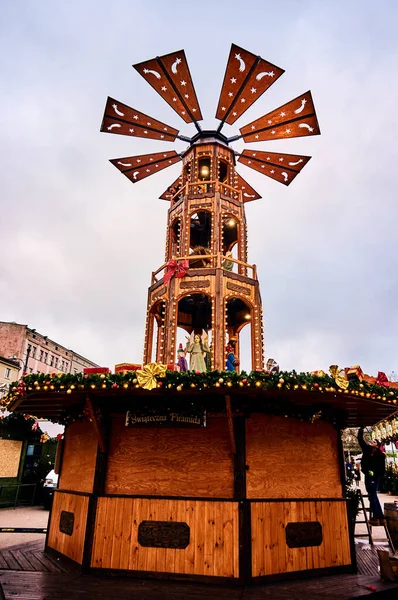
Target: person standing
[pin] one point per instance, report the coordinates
(373, 466)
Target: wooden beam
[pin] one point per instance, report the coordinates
(230, 423)
(96, 424)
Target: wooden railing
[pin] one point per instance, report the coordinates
(200, 188)
(214, 260)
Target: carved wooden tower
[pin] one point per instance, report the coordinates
(206, 283)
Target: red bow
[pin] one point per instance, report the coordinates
(382, 379)
(177, 269)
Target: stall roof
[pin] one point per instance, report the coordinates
(352, 410)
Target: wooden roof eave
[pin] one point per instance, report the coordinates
(358, 410)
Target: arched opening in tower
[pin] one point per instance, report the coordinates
(200, 238)
(175, 238)
(238, 317)
(223, 171)
(156, 329)
(230, 237)
(194, 317)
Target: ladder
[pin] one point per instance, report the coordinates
(365, 509)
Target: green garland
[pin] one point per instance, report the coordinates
(179, 381)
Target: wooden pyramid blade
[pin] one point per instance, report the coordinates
(123, 120)
(281, 167)
(169, 75)
(139, 167)
(297, 118)
(167, 194)
(246, 78)
(248, 192)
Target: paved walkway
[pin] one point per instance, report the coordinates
(22, 516)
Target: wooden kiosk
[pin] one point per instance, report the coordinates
(217, 474)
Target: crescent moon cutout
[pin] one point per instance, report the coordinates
(242, 65)
(157, 75)
(124, 164)
(263, 74)
(285, 175)
(113, 125)
(293, 164)
(249, 195)
(118, 112)
(299, 110)
(135, 174)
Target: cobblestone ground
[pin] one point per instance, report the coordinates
(23, 516)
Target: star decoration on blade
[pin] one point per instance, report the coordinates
(246, 78)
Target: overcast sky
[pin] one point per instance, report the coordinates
(79, 241)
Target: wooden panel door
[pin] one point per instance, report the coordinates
(213, 536)
(271, 553)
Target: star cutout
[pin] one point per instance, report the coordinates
(249, 162)
(256, 136)
(131, 130)
(233, 80)
(234, 114)
(253, 127)
(164, 155)
(178, 61)
(156, 165)
(183, 112)
(242, 100)
(138, 160)
(311, 129)
(272, 171)
(271, 74)
(223, 108)
(164, 128)
(273, 131)
(287, 130)
(164, 89)
(183, 83)
(268, 158)
(262, 166)
(253, 90)
(270, 121)
(230, 94)
(162, 136)
(135, 117)
(281, 160)
(194, 110)
(282, 114)
(253, 154)
(145, 131)
(151, 158)
(186, 96)
(148, 170)
(148, 124)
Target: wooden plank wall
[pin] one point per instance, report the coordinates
(270, 553)
(189, 461)
(213, 547)
(79, 457)
(69, 545)
(289, 458)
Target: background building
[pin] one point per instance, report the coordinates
(9, 370)
(36, 353)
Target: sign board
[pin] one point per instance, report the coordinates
(166, 418)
